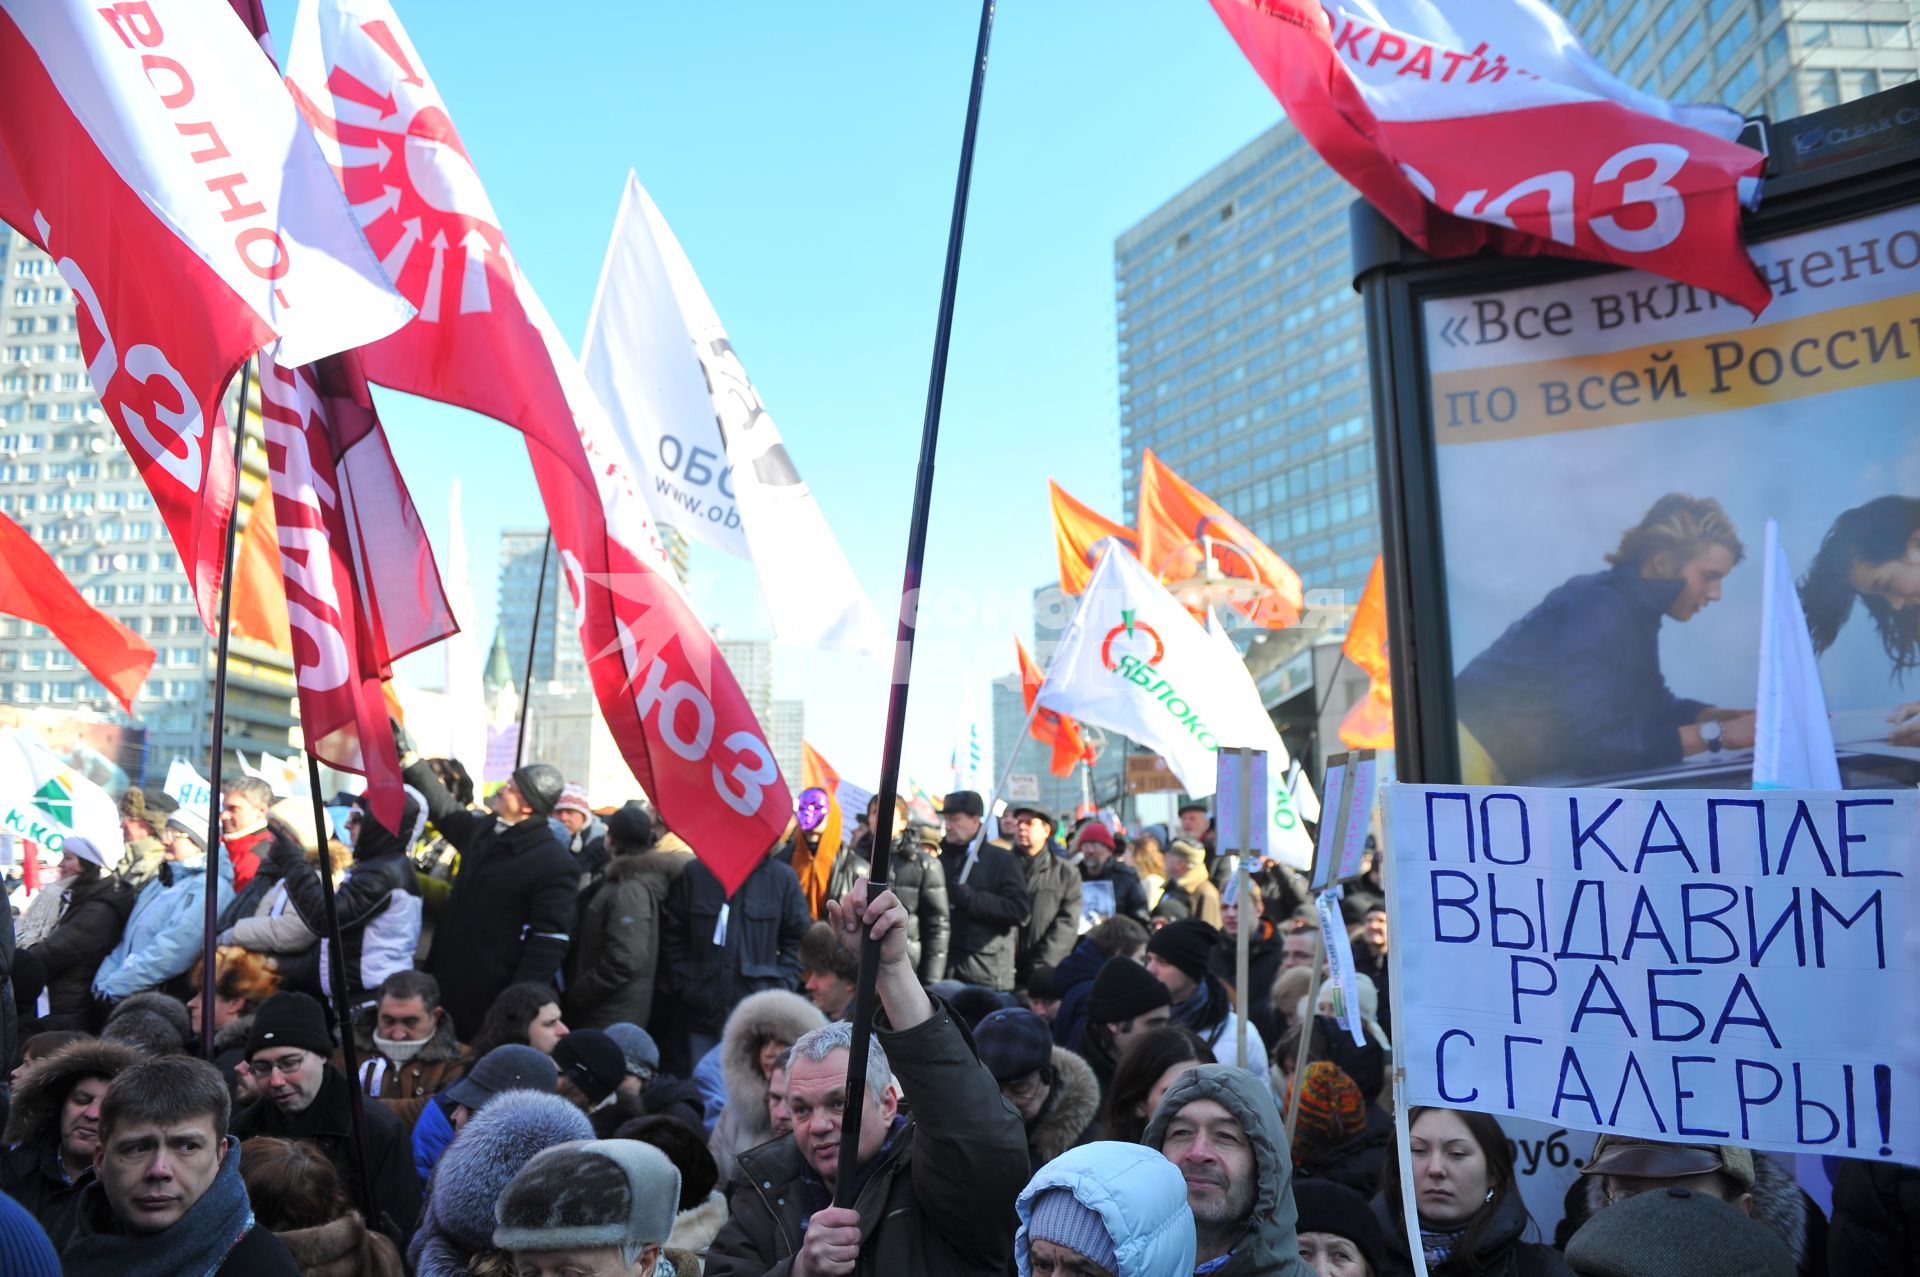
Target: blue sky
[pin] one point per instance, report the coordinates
(804, 155)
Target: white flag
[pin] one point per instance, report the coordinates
(46, 802)
(1249, 726)
(700, 442)
(1793, 738)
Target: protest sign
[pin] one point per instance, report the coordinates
(1681, 965)
(1023, 787)
(1347, 817)
(1333, 798)
(1233, 792)
(187, 787)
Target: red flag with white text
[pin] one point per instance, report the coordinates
(152, 153)
(1478, 124)
(337, 654)
(483, 340)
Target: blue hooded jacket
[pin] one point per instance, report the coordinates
(164, 932)
(1138, 1195)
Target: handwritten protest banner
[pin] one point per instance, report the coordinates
(1693, 966)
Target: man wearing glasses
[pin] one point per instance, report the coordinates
(305, 1098)
(1052, 1089)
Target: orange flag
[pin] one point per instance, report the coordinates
(815, 771)
(1077, 534)
(259, 590)
(1174, 515)
(1369, 724)
(1049, 726)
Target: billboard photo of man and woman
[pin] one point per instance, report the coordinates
(1605, 486)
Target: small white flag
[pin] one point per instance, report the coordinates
(1793, 738)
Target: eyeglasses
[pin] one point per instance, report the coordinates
(1025, 1089)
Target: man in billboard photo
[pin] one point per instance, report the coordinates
(1872, 553)
(1573, 689)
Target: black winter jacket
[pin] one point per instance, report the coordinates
(761, 948)
(1876, 1220)
(1129, 893)
(1053, 921)
(1500, 1252)
(920, 883)
(989, 910)
(327, 1124)
(512, 908)
(91, 920)
(378, 902)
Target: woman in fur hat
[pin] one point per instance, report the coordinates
(762, 1027)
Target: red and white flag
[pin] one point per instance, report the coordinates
(337, 653)
(483, 340)
(1483, 123)
(153, 155)
(33, 588)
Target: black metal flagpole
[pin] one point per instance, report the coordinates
(863, 997)
(337, 971)
(216, 846)
(533, 645)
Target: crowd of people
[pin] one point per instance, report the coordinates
(548, 1043)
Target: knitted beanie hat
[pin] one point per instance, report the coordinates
(1332, 1111)
(594, 1193)
(1123, 990)
(1059, 1217)
(1327, 1207)
(24, 1248)
(1186, 944)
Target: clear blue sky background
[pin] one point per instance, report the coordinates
(804, 155)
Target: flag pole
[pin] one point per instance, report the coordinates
(216, 845)
(863, 998)
(337, 969)
(533, 644)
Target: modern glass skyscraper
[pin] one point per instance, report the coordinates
(1241, 360)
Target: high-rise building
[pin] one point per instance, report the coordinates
(66, 479)
(559, 664)
(751, 661)
(1241, 357)
(786, 725)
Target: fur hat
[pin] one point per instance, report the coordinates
(1676, 1230)
(42, 1089)
(1658, 1159)
(963, 802)
(820, 951)
(593, 1193)
(477, 1166)
(152, 1020)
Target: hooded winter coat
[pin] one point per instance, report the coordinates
(163, 933)
(616, 952)
(405, 1088)
(30, 1170)
(990, 911)
(695, 1228)
(92, 916)
(773, 1015)
(1192, 896)
(378, 902)
(457, 1223)
(1271, 1244)
(1071, 1112)
(511, 911)
(1778, 1202)
(342, 1248)
(1053, 922)
(1140, 1198)
(937, 1198)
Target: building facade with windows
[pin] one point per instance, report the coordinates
(1242, 359)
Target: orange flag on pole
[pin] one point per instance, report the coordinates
(259, 591)
(1077, 533)
(1049, 726)
(33, 588)
(1174, 515)
(1369, 724)
(815, 771)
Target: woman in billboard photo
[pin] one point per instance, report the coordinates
(1872, 553)
(1573, 689)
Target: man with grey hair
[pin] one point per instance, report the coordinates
(931, 1194)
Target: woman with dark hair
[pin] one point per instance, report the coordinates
(1147, 1067)
(1471, 1214)
(1574, 686)
(523, 1014)
(1872, 553)
(94, 905)
(296, 1196)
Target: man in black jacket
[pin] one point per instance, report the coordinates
(515, 901)
(306, 1098)
(1053, 887)
(715, 951)
(378, 900)
(1124, 895)
(987, 894)
(916, 878)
